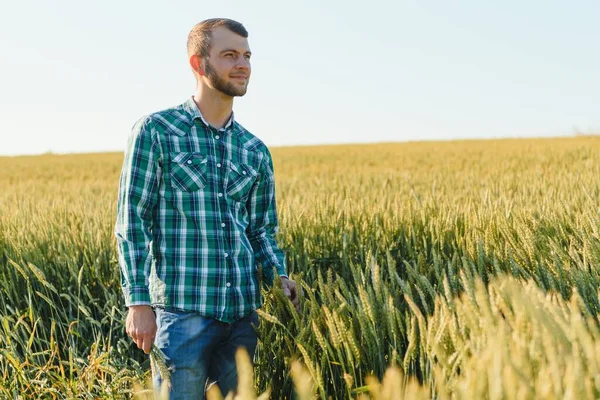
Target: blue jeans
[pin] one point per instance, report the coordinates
(201, 349)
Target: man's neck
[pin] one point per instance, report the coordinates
(214, 106)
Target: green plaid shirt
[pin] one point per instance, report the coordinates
(196, 214)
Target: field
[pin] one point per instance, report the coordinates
(470, 269)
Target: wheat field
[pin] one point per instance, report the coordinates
(446, 270)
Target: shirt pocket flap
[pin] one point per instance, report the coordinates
(189, 158)
(243, 170)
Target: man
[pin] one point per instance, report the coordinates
(196, 214)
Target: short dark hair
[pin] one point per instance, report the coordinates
(199, 39)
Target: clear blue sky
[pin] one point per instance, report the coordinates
(76, 75)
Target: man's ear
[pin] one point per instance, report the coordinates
(197, 64)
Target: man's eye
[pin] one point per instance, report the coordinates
(229, 55)
(247, 56)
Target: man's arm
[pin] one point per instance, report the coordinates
(138, 189)
(263, 226)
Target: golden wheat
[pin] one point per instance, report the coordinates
(452, 270)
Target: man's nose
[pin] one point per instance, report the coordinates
(243, 63)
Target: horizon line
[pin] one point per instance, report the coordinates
(432, 140)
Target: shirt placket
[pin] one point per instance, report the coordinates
(221, 154)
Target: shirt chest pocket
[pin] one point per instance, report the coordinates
(188, 171)
(240, 178)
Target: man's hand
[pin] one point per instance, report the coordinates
(141, 326)
(290, 290)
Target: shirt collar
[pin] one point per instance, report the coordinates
(194, 112)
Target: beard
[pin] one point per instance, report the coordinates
(221, 84)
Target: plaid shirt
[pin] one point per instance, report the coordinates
(196, 214)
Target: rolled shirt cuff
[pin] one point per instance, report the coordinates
(269, 273)
(136, 295)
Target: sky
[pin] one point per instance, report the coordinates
(76, 75)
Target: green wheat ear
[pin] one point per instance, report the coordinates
(158, 361)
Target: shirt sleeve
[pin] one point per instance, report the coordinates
(263, 225)
(137, 199)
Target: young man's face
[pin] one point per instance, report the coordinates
(227, 69)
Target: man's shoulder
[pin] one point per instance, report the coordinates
(249, 140)
(176, 119)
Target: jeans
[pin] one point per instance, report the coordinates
(200, 349)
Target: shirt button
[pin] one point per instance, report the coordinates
(228, 284)
(189, 161)
(220, 194)
(223, 224)
(226, 255)
(216, 137)
(244, 172)
(219, 165)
